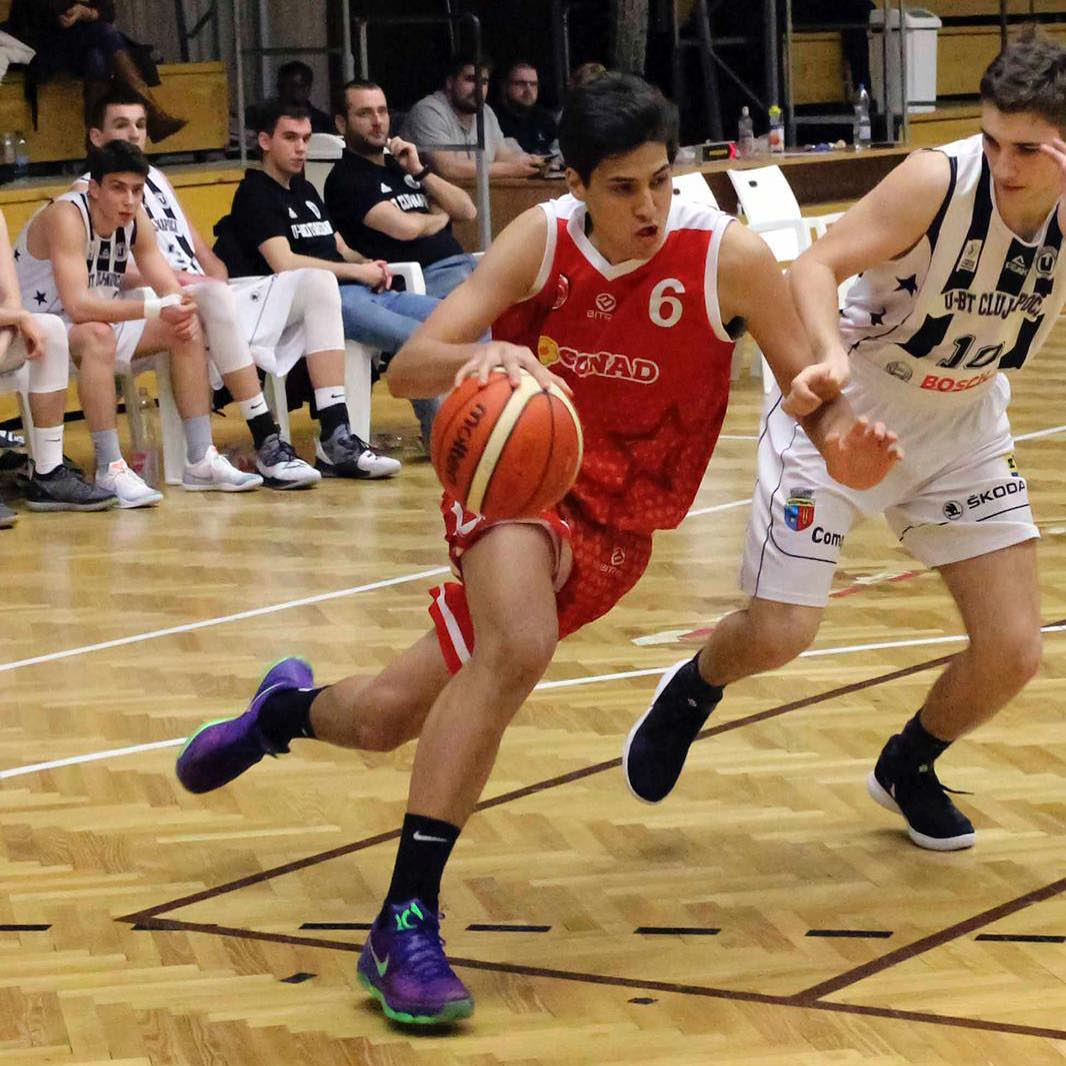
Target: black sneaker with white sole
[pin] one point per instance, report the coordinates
(63, 490)
(346, 455)
(657, 746)
(933, 820)
(281, 467)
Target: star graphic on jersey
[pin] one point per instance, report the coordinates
(172, 248)
(18, 255)
(909, 284)
(877, 318)
(40, 297)
(255, 297)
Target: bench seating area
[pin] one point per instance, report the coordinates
(196, 91)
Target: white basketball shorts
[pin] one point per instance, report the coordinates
(956, 494)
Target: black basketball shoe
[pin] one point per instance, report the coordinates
(657, 745)
(933, 820)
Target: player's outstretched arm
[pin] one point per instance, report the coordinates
(445, 347)
(884, 224)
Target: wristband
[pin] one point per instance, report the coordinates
(153, 305)
(423, 173)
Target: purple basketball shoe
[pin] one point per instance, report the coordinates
(223, 749)
(402, 965)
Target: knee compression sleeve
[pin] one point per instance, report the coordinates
(317, 304)
(51, 372)
(218, 312)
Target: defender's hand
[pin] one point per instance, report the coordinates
(863, 456)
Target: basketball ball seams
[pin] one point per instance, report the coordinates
(579, 436)
(537, 483)
(501, 433)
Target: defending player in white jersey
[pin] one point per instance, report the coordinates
(274, 321)
(70, 259)
(961, 276)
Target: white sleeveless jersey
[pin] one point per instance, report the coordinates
(969, 300)
(171, 226)
(106, 259)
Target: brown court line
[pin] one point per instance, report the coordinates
(526, 790)
(708, 992)
(803, 999)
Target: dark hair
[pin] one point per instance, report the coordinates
(116, 157)
(1029, 75)
(293, 67)
(274, 108)
(340, 101)
(117, 96)
(466, 59)
(515, 64)
(611, 115)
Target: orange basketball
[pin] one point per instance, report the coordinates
(504, 452)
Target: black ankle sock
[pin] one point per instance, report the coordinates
(286, 715)
(332, 418)
(425, 844)
(262, 426)
(918, 745)
(694, 687)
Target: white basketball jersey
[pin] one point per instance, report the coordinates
(171, 226)
(969, 300)
(106, 259)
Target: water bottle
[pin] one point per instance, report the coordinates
(146, 463)
(22, 156)
(7, 157)
(745, 135)
(860, 130)
(777, 131)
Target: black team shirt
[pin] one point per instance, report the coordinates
(262, 208)
(355, 186)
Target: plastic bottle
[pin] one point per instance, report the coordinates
(777, 130)
(745, 135)
(860, 130)
(22, 156)
(146, 462)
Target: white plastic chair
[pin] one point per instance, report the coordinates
(358, 359)
(693, 187)
(772, 211)
(18, 381)
(323, 150)
(169, 417)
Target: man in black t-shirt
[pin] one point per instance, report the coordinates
(278, 222)
(520, 117)
(386, 203)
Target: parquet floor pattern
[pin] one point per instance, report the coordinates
(173, 927)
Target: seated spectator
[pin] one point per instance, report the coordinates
(295, 82)
(279, 222)
(520, 117)
(80, 38)
(70, 259)
(583, 74)
(275, 320)
(41, 340)
(448, 116)
(384, 202)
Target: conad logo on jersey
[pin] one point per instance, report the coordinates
(597, 364)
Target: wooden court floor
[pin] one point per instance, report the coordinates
(767, 913)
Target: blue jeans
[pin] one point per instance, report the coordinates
(447, 274)
(384, 320)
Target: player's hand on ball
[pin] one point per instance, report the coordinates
(863, 456)
(815, 385)
(511, 359)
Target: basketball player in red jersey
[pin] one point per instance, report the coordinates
(631, 297)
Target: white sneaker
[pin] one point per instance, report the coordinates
(282, 468)
(127, 486)
(215, 473)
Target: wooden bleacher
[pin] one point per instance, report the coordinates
(967, 42)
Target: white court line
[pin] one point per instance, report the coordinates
(737, 436)
(570, 682)
(19, 771)
(189, 627)
(1040, 433)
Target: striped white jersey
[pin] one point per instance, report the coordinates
(162, 206)
(106, 259)
(971, 299)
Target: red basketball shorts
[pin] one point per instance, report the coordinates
(594, 568)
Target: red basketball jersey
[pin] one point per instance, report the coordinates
(643, 347)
